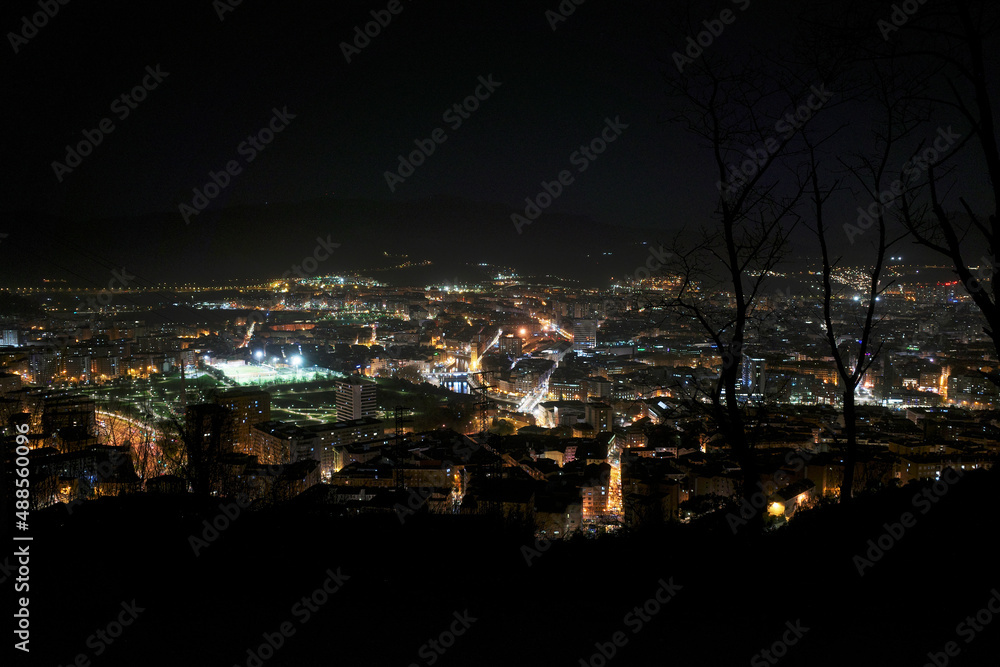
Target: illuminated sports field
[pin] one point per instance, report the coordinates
(252, 374)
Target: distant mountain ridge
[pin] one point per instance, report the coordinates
(265, 241)
(257, 242)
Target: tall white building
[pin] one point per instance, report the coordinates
(584, 334)
(9, 338)
(355, 398)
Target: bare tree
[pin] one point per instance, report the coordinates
(132, 426)
(955, 42)
(738, 111)
(853, 358)
(200, 444)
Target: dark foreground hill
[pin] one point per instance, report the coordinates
(402, 585)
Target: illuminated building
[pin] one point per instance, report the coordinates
(61, 411)
(601, 416)
(595, 497)
(9, 382)
(584, 334)
(973, 389)
(597, 387)
(510, 345)
(753, 378)
(10, 337)
(209, 435)
(249, 407)
(276, 442)
(355, 398)
(331, 437)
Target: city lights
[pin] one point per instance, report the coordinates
(618, 333)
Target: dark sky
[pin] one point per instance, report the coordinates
(557, 87)
(352, 119)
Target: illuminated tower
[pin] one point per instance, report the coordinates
(584, 334)
(753, 378)
(355, 398)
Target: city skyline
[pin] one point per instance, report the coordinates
(548, 333)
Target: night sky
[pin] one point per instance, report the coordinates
(224, 77)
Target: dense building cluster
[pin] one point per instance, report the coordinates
(568, 408)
